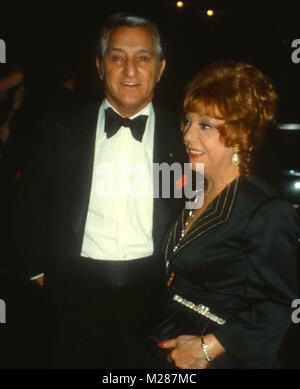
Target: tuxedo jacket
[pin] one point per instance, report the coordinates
(54, 190)
(240, 260)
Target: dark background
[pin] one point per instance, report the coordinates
(41, 37)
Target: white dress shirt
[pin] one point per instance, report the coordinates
(119, 219)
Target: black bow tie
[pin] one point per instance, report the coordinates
(113, 122)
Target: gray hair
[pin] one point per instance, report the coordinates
(121, 19)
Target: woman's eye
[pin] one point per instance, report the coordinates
(115, 58)
(205, 126)
(186, 125)
(186, 122)
(144, 59)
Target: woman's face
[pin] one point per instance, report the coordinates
(203, 144)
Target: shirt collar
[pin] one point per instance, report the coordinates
(145, 111)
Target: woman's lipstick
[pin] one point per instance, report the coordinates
(194, 153)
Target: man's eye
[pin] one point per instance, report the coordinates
(144, 59)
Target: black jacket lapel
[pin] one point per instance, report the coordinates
(166, 149)
(79, 146)
(218, 212)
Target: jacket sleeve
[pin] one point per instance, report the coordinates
(253, 337)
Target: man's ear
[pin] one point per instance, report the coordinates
(99, 67)
(161, 69)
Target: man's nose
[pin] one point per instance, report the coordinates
(130, 68)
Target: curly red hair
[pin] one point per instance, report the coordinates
(241, 95)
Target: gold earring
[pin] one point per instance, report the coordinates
(235, 156)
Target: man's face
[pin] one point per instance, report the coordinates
(130, 69)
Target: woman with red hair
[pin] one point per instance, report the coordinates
(231, 262)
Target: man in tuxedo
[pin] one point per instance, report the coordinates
(88, 233)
